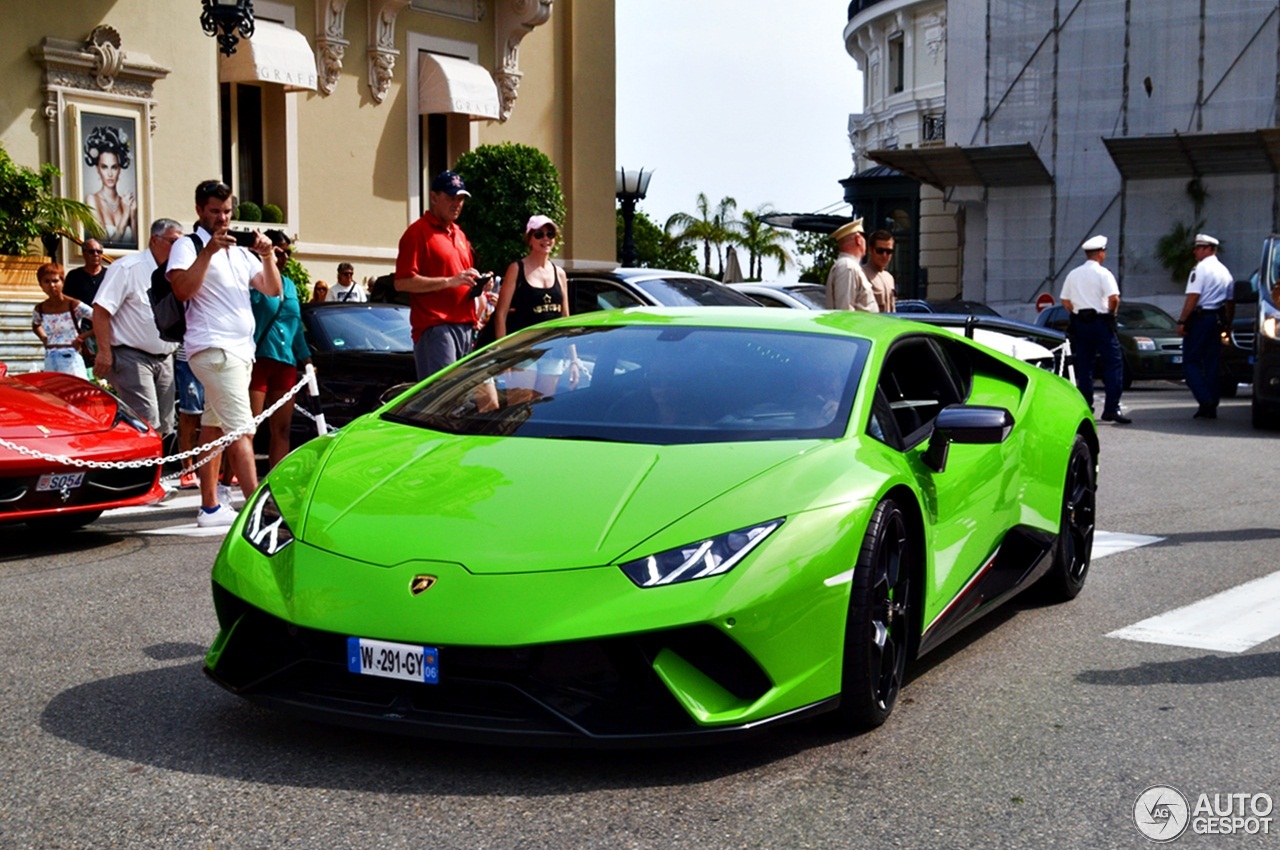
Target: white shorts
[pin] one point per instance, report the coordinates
(225, 378)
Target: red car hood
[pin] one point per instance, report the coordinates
(43, 404)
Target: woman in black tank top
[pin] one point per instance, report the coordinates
(534, 290)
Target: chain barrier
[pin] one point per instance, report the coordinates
(308, 380)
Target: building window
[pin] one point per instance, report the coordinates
(934, 128)
(253, 142)
(897, 54)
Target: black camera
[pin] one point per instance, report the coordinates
(477, 286)
(244, 238)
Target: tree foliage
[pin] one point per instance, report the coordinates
(710, 227)
(29, 208)
(654, 248)
(762, 241)
(820, 251)
(508, 184)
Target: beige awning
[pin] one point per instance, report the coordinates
(991, 165)
(275, 54)
(449, 84)
(1196, 154)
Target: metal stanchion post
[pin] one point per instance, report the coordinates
(313, 394)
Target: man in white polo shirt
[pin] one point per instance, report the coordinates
(131, 354)
(214, 282)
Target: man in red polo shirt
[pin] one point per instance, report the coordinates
(435, 265)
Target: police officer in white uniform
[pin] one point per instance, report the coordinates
(1208, 311)
(1092, 296)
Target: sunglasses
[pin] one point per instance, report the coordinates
(549, 233)
(210, 186)
(887, 252)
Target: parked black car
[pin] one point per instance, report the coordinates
(359, 351)
(1266, 363)
(955, 306)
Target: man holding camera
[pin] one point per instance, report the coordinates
(435, 265)
(214, 282)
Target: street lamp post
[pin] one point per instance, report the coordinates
(632, 186)
(223, 18)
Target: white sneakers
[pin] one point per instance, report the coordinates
(219, 518)
(228, 494)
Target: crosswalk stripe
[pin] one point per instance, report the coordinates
(1113, 542)
(1231, 621)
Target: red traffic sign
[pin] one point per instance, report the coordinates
(1043, 302)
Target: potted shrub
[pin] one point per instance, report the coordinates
(34, 217)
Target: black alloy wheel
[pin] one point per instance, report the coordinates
(878, 636)
(1073, 549)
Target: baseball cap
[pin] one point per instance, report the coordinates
(449, 183)
(538, 221)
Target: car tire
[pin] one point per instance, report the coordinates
(66, 522)
(1072, 551)
(1266, 417)
(878, 635)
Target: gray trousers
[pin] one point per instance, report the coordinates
(145, 383)
(440, 346)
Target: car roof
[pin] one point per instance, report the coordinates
(637, 274)
(872, 326)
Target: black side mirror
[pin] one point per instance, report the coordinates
(1244, 292)
(965, 424)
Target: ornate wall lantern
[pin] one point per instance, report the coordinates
(224, 19)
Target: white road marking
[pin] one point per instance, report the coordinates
(1232, 621)
(1113, 542)
(188, 529)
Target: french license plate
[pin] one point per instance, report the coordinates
(60, 481)
(1177, 358)
(393, 660)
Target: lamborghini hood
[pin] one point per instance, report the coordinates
(390, 494)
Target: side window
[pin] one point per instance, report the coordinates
(768, 300)
(592, 295)
(917, 381)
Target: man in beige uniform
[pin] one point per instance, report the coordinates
(847, 285)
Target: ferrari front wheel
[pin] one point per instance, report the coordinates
(877, 634)
(1074, 547)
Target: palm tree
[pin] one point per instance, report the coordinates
(709, 228)
(762, 240)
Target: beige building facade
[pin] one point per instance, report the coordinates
(901, 48)
(335, 111)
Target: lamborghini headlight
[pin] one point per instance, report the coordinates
(266, 529)
(710, 557)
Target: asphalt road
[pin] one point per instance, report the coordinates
(1034, 729)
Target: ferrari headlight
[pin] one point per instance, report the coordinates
(1145, 343)
(266, 529)
(709, 557)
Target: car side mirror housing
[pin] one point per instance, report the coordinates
(968, 425)
(1244, 292)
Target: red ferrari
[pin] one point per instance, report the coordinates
(58, 415)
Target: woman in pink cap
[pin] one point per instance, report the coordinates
(534, 290)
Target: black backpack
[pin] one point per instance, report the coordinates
(170, 313)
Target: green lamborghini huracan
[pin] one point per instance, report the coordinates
(656, 526)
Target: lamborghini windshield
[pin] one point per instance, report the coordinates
(648, 384)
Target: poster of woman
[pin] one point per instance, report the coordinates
(109, 176)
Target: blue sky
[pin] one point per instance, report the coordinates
(746, 98)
